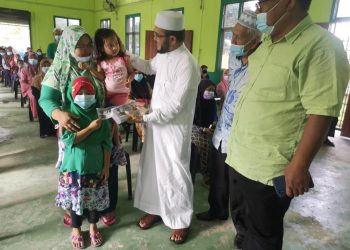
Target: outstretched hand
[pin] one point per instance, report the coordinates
(133, 118)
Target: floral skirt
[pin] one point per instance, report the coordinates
(201, 140)
(78, 192)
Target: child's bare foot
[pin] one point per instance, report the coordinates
(95, 236)
(77, 239)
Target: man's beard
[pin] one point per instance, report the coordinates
(164, 48)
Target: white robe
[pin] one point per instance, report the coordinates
(164, 186)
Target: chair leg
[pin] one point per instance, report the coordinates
(127, 132)
(135, 138)
(128, 175)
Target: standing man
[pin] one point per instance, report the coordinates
(164, 188)
(297, 82)
(51, 49)
(245, 39)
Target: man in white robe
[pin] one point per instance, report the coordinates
(164, 188)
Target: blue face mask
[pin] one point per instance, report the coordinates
(237, 50)
(261, 21)
(84, 101)
(138, 77)
(83, 59)
(57, 38)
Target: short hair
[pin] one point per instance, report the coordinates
(305, 4)
(180, 35)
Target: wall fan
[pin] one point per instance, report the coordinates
(109, 5)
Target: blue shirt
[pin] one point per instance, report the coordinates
(238, 78)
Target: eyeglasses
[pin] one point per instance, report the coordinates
(89, 46)
(156, 35)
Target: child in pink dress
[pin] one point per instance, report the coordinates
(113, 66)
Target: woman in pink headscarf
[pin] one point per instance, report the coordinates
(27, 74)
(222, 87)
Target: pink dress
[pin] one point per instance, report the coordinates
(27, 74)
(222, 87)
(116, 77)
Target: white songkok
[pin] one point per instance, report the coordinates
(248, 19)
(170, 20)
(56, 29)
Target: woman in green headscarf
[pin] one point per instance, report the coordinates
(82, 187)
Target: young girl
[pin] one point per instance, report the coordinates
(86, 139)
(113, 66)
(82, 186)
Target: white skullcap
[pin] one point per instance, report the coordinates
(56, 29)
(248, 19)
(170, 20)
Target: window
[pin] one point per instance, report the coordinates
(231, 13)
(132, 34)
(62, 22)
(341, 28)
(105, 23)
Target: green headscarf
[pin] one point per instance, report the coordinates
(65, 67)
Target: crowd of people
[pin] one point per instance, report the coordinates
(267, 118)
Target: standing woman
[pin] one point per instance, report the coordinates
(75, 46)
(27, 74)
(46, 126)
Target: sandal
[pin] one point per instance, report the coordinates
(79, 240)
(181, 234)
(67, 220)
(148, 221)
(96, 239)
(108, 219)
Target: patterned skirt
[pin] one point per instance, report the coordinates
(201, 140)
(78, 192)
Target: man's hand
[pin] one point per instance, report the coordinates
(297, 180)
(134, 118)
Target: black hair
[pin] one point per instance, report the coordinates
(305, 4)
(100, 36)
(180, 35)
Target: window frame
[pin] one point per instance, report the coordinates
(223, 30)
(133, 33)
(67, 20)
(108, 20)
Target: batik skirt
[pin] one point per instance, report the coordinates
(79, 192)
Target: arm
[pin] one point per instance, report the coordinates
(106, 163)
(131, 73)
(297, 172)
(98, 73)
(148, 67)
(82, 134)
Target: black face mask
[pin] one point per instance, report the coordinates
(204, 71)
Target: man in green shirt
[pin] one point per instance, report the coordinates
(298, 78)
(51, 49)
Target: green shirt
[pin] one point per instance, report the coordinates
(304, 73)
(51, 50)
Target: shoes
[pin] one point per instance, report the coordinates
(328, 143)
(179, 236)
(238, 242)
(148, 221)
(208, 216)
(108, 219)
(96, 239)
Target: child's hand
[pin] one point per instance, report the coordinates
(105, 174)
(95, 124)
(83, 65)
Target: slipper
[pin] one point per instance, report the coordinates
(96, 239)
(108, 219)
(78, 239)
(67, 220)
(181, 234)
(148, 220)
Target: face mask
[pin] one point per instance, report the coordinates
(57, 38)
(237, 50)
(138, 77)
(9, 53)
(261, 21)
(2, 53)
(208, 95)
(204, 71)
(45, 69)
(225, 77)
(84, 101)
(39, 53)
(83, 59)
(33, 61)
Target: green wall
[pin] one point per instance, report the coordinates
(42, 12)
(202, 19)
